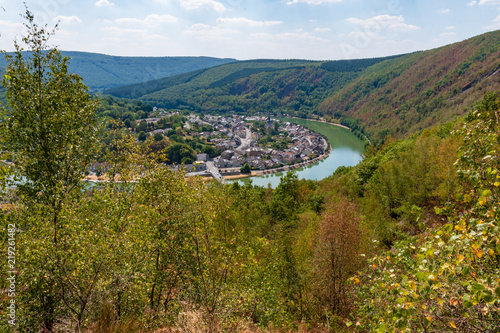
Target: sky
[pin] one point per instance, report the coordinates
(253, 29)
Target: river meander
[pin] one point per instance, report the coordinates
(346, 151)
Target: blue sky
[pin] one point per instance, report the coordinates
(251, 29)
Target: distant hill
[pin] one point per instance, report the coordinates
(249, 86)
(101, 71)
(406, 94)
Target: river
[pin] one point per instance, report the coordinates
(346, 151)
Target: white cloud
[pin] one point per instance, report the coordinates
(444, 11)
(67, 19)
(197, 4)
(104, 3)
(489, 2)
(149, 20)
(123, 31)
(311, 2)
(287, 36)
(246, 22)
(495, 25)
(384, 21)
(10, 32)
(322, 29)
(448, 34)
(206, 32)
(484, 2)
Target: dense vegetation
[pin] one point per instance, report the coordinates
(100, 71)
(378, 97)
(415, 91)
(267, 86)
(408, 240)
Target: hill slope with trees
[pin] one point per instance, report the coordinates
(100, 71)
(415, 91)
(406, 241)
(383, 96)
(292, 86)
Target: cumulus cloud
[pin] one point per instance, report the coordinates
(311, 2)
(444, 11)
(149, 20)
(287, 36)
(384, 21)
(489, 2)
(104, 3)
(241, 21)
(124, 31)
(197, 4)
(447, 34)
(207, 32)
(67, 19)
(9, 28)
(495, 25)
(484, 2)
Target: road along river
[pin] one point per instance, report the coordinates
(346, 151)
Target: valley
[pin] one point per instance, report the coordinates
(388, 225)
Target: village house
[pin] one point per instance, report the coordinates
(202, 157)
(152, 120)
(227, 154)
(254, 152)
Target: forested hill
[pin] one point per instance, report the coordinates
(297, 86)
(384, 96)
(100, 71)
(415, 91)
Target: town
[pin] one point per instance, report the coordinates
(247, 143)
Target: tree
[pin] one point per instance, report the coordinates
(158, 136)
(446, 278)
(179, 153)
(143, 126)
(142, 136)
(245, 168)
(337, 256)
(50, 120)
(51, 126)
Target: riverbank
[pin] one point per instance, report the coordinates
(321, 121)
(334, 124)
(285, 168)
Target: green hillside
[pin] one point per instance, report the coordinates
(383, 96)
(408, 240)
(296, 86)
(415, 91)
(100, 71)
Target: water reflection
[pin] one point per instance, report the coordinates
(346, 151)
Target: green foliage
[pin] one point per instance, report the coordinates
(142, 136)
(258, 85)
(180, 153)
(448, 277)
(156, 251)
(283, 205)
(50, 124)
(50, 119)
(100, 71)
(246, 168)
(414, 91)
(158, 137)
